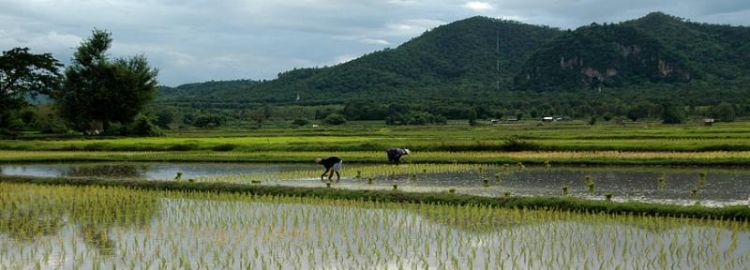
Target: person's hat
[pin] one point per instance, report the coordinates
(318, 160)
(407, 151)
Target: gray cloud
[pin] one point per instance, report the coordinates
(198, 40)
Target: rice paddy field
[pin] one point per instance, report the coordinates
(63, 227)
(513, 196)
(710, 186)
(530, 136)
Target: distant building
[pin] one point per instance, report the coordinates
(548, 119)
(512, 119)
(495, 121)
(708, 121)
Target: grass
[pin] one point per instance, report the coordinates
(714, 158)
(563, 136)
(443, 198)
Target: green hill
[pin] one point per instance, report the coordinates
(458, 60)
(657, 48)
(508, 68)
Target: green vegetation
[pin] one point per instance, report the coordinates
(319, 231)
(104, 91)
(503, 69)
(22, 75)
(740, 212)
(574, 158)
(456, 136)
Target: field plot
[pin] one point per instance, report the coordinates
(710, 186)
(106, 228)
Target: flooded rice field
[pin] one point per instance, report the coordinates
(44, 227)
(710, 186)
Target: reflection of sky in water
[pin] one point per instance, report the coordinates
(145, 170)
(301, 236)
(722, 186)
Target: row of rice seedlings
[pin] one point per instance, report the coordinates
(569, 157)
(209, 230)
(356, 172)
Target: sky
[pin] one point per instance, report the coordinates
(202, 40)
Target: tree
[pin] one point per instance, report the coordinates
(99, 89)
(724, 112)
(672, 114)
(22, 74)
(165, 117)
(639, 111)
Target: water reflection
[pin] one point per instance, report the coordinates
(709, 186)
(107, 170)
(231, 231)
(147, 170)
(28, 215)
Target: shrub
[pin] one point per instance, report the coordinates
(144, 126)
(300, 122)
(515, 143)
(334, 119)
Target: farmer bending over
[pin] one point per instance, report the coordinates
(332, 164)
(395, 154)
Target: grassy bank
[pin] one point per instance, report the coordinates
(371, 157)
(558, 203)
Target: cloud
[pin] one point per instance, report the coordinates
(375, 41)
(199, 40)
(345, 58)
(479, 6)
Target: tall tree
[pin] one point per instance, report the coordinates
(22, 74)
(100, 89)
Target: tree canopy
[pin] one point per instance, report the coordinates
(24, 74)
(100, 89)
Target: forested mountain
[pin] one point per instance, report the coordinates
(500, 67)
(656, 48)
(458, 60)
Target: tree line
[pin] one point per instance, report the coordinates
(96, 93)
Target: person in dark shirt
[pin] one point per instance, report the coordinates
(332, 164)
(395, 154)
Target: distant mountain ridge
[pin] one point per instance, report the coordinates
(480, 57)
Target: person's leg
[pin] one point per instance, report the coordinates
(324, 174)
(331, 175)
(337, 170)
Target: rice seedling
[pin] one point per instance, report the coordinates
(185, 229)
(661, 183)
(590, 185)
(701, 180)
